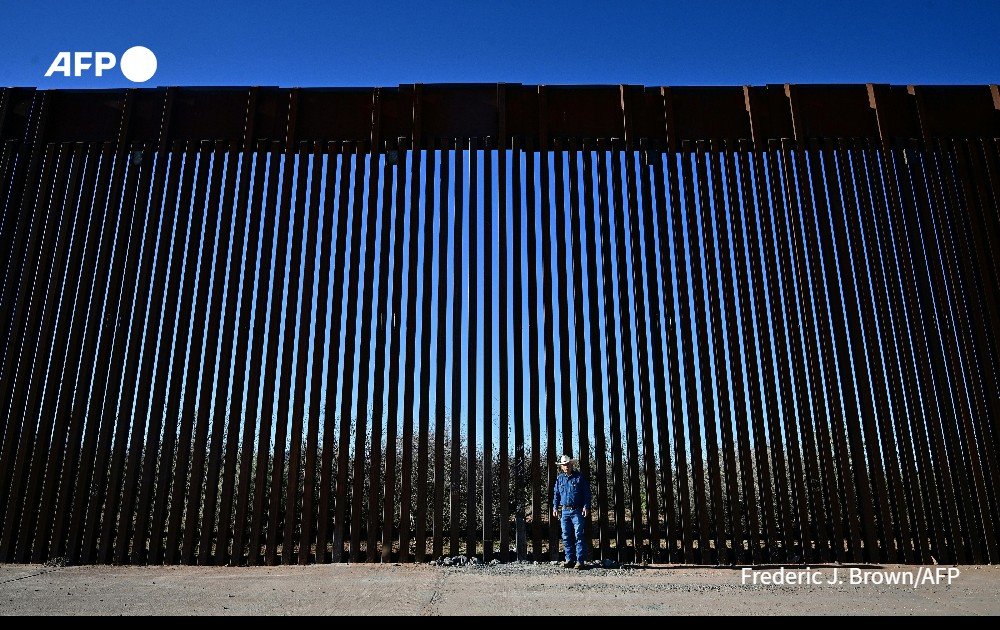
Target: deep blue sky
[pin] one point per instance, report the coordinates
(387, 43)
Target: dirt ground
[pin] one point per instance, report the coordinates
(504, 590)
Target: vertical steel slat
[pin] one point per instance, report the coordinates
(720, 290)
(204, 342)
(219, 467)
(424, 405)
(200, 519)
(375, 507)
(916, 294)
(50, 541)
(26, 193)
(440, 400)
(986, 160)
(15, 156)
(519, 364)
(67, 343)
(844, 510)
(676, 355)
(409, 376)
(182, 395)
(895, 524)
(619, 216)
(548, 347)
(825, 496)
(473, 346)
(85, 523)
(20, 435)
(660, 267)
(487, 354)
(101, 376)
(611, 345)
(239, 306)
(267, 358)
(977, 204)
(840, 274)
(348, 375)
(162, 360)
(76, 500)
(8, 160)
(310, 161)
(597, 367)
(37, 404)
(533, 353)
(787, 343)
(973, 406)
(759, 370)
(214, 317)
(908, 423)
(984, 205)
(503, 343)
(986, 166)
(838, 358)
(177, 397)
(565, 401)
(364, 310)
(719, 416)
(337, 304)
(120, 222)
(583, 398)
(964, 357)
(123, 370)
(977, 430)
(394, 358)
(364, 357)
(7, 165)
(46, 357)
(692, 315)
(958, 431)
(742, 356)
(11, 165)
(46, 285)
(126, 280)
(962, 520)
(262, 363)
(32, 220)
(286, 357)
(362, 290)
(781, 421)
(797, 325)
(456, 357)
(902, 472)
(255, 289)
(871, 398)
(646, 408)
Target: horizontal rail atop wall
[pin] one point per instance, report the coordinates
(416, 114)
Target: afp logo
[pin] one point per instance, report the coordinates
(138, 64)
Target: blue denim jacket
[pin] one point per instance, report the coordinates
(571, 491)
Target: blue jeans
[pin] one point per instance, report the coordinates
(574, 540)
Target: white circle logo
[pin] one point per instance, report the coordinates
(138, 64)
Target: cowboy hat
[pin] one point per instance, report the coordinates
(565, 459)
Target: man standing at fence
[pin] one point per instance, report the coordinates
(572, 493)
